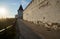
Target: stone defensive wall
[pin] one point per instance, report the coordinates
(43, 11)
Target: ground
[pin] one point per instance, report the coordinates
(29, 30)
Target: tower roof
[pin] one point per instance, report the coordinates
(20, 8)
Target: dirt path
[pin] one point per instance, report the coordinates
(32, 31)
(26, 32)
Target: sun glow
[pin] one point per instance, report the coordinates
(3, 12)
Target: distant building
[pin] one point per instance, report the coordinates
(16, 16)
(20, 12)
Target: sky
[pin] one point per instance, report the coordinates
(12, 6)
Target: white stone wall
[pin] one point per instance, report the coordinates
(43, 10)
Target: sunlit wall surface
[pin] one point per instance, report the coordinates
(43, 10)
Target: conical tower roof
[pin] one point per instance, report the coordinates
(20, 8)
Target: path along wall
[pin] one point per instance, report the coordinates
(43, 10)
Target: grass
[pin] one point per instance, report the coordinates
(8, 33)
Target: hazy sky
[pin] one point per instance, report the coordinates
(13, 5)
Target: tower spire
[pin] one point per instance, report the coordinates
(20, 8)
